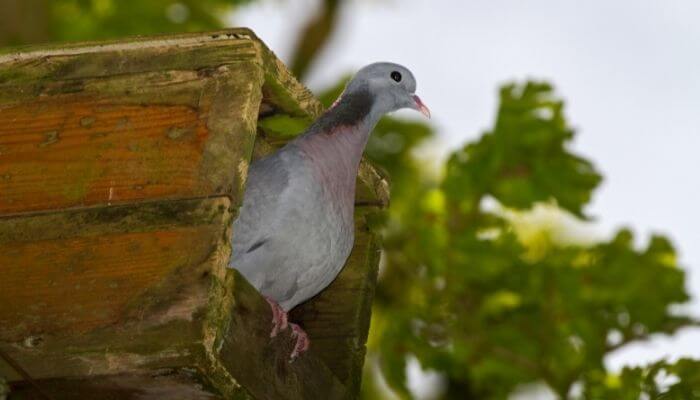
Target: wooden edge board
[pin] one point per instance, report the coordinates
(121, 44)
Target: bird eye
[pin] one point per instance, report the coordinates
(396, 75)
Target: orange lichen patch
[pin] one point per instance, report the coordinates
(74, 285)
(67, 151)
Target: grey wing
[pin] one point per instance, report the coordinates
(268, 178)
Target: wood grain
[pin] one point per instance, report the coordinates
(81, 279)
(85, 283)
(261, 364)
(68, 152)
(166, 384)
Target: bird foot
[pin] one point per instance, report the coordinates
(302, 341)
(280, 323)
(279, 317)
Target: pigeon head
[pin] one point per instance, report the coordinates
(392, 87)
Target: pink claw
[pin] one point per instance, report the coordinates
(302, 343)
(279, 317)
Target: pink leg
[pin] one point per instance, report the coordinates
(302, 343)
(279, 317)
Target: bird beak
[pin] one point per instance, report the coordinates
(420, 106)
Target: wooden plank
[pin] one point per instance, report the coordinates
(187, 39)
(109, 290)
(117, 140)
(283, 92)
(125, 56)
(167, 384)
(67, 152)
(83, 284)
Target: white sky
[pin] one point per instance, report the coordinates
(629, 70)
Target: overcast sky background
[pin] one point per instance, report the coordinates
(628, 69)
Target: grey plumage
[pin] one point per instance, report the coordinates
(295, 227)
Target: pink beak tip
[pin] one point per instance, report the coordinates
(421, 106)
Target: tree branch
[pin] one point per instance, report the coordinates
(314, 37)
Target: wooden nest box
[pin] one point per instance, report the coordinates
(122, 166)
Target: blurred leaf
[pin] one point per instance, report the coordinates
(74, 20)
(524, 158)
(283, 126)
(660, 380)
(314, 36)
(393, 363)
(4, 388)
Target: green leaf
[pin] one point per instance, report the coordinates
(524, 159)
(282, 126)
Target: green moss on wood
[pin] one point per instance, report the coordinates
(51, 66)
(232, 117)
(166, 383)
(99, 220)
(262, 365)
(156, 41)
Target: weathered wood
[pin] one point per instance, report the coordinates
(53, 153)
(112, 290)
(122, 165)
(174, 384)
(262, 364)
(78, 128)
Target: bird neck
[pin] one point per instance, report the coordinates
(338, 152)
(343, 130)
(352, 108)
(336, 141)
